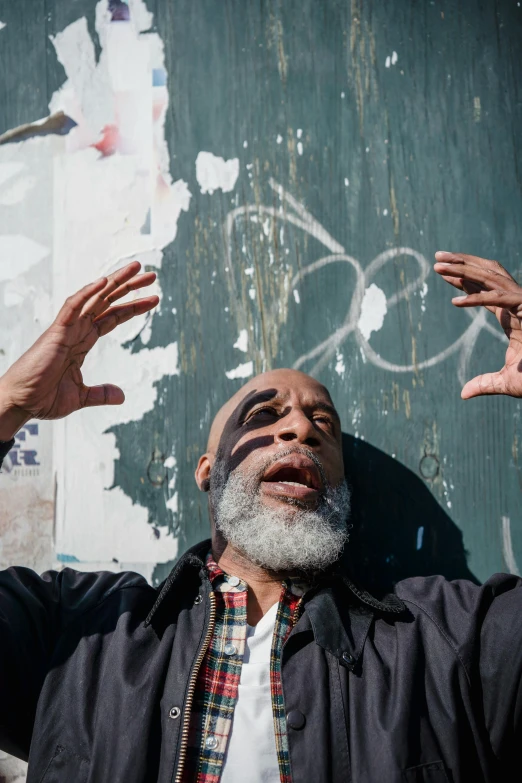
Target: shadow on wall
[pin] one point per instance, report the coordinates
(399, 529)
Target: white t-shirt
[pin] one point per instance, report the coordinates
(251, 751)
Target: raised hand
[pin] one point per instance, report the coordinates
(47, 382)
(487, 284)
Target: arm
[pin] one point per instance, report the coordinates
(47, 383)
(500, 668)
(498, 638)
(487, 284)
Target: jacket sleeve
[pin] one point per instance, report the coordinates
(28, 628)
(5, 448)
(34, 611)
(482, 624)
(500, 662)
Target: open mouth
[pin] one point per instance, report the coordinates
(293, 477)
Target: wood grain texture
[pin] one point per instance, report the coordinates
(417, 150)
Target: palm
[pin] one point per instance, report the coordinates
(56, 386)
(488, 284)
(47, 382)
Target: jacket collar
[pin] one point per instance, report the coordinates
(194, 559)
(339, 627)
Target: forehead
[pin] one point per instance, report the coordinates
(287, 385)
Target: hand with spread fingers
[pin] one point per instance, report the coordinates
(47, 382)
(487, 284)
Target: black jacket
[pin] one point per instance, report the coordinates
(424, 686)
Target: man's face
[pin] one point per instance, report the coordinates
(276, 475)
(284, 411)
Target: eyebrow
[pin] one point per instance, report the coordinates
(255, 399)
(273, 396)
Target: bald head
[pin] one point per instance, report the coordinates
(271, 380)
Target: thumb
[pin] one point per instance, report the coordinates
(489, 383)
(107, 394)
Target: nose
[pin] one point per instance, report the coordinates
(297, 427)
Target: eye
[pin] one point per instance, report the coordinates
(324, 420)
(267, 411)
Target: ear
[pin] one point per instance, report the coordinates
(202, 474)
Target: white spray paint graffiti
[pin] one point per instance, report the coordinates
(317, 358)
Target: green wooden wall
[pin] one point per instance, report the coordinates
(369, 135)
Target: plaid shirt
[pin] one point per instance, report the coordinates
(218, 677)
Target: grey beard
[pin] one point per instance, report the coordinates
(286, 538)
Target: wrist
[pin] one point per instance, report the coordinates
(12, 419)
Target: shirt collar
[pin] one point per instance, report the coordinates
(224, 583)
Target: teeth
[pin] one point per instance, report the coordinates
(294, 483)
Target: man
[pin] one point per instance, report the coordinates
(257, 659)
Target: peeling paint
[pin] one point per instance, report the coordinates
(242, 341)
(111, 171)
(507, 547)
(18, 254)
(241, 371)
(215, 173)
(10, 169)
(373, 310)
(17, 191)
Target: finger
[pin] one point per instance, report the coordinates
(106, 394)
(485, 277)
(490, 383)
(462, 271)
(124, 312)
(463, 285)
(444, 256)
(454, 281)
(97, 303)
(466, 286)
(140, 281)
(72, 307)
(506, 299)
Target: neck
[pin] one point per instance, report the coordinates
(264, 587)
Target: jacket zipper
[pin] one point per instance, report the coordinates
(297, 612)
(192, 688)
